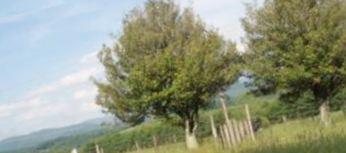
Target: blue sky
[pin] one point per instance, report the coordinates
(48, 53)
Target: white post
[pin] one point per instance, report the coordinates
(249, 122)
(213, 129)
(232, 133)
(236, 130)
(74, 150)
(284, 119)
(155, 141)
(224, 109)
(97, 149)
(241, 130)
(222, 136)
(137, 146)
(228, 140)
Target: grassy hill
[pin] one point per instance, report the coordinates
(297, 136)
(304, 135)
(125, 139)
(165, 133)
(64, 144)
(69, 136)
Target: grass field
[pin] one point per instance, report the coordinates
(297, 136)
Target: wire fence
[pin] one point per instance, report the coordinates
(227, 134)
(136, 144)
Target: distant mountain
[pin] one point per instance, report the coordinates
(38, 138)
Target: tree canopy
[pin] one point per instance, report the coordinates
(298, 46)
(165, 63)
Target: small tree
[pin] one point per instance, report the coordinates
(166, 63)
(297, 47)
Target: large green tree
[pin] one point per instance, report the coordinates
(298, 46)
(165, 63)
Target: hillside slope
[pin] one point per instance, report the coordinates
(297, 136)
(38, 138)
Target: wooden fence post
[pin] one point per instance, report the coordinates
(213, 128)
(246, 127)
(241, 130)
(228, 123)
(232, 133)
(175, 138)
(222, 136)
(228, 140)
(224, 109)
(250, 122)
(236, 131)
(284, 119)
(74, 150)
(137, 146)
(97, 148)
(155, 143)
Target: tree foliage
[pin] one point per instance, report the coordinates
(298, 47)
(165, 63)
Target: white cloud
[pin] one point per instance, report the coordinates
(76, 78)
(68, 100)
(7, 110)
(89, 58)
(90, 106)
(11, 18)
(41, 28)
(78, 9)
(44, 112)
(80, 94)
(225, 15)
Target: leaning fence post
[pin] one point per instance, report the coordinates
(232, 133)
(137, 146)
(228, 123)
(97, 148)
(213, 129)
(224, 108)
(74, 150)
(228, 140)
(222, 136)
(247, 128)
(236, 130)
(241, 130)
(249, 122)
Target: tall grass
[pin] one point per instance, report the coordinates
(298, 136)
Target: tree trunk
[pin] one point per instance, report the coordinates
(190, 135)
(325, 113)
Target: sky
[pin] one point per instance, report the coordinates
(48, 53)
